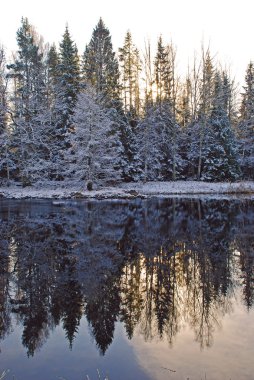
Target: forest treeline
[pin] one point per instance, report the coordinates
(106, 116)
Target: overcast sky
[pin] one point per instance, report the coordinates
(226, 25)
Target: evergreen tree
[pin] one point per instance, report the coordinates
(130, 158)
(221, 154)
(206, 87)
(247, 106)
(148, 136)
(172, 163)
(130, 69)
(161, 70)
(58, 119)
(164, 75)
(228, 99)
(5, 162)
(202, 93)
(158, 138)
(206, 96)
(28, 70)
(30, 117)
(52, 63)
(67, 78)
(246, 125)
(100, 66)
(96, 151)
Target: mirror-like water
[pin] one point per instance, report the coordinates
(142, 289)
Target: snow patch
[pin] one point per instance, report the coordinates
(132, 190)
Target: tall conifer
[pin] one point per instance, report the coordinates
(246, 125)
(68, 80)
(130, 69)
(100, 66)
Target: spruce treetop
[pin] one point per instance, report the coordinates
(100, 66)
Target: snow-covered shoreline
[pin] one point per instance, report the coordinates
(132, 190)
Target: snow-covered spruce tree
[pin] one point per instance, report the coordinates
(100, 66)
(148, 140)
(130, 159)
(157, 138)
(171, 160)
(100, 70)
(63, 85)
(246, 125)
(221, 157)
(29, 112)
(57, 103)
(67, 77)
(95, 155)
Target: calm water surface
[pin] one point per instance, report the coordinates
(142, 289)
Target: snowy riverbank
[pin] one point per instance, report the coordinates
(130, 190)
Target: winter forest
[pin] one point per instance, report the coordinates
(111, 116)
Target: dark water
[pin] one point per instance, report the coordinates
(154, 289)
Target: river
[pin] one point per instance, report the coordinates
(127, 289)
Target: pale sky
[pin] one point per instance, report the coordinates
(226, 25)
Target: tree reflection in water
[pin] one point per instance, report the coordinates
(154, 265)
